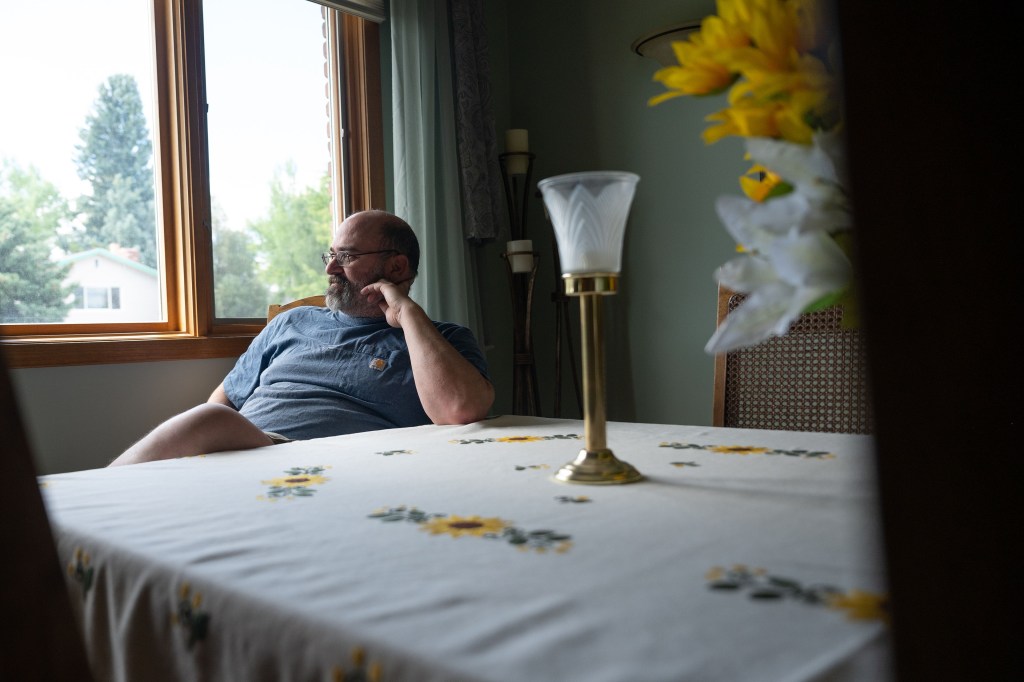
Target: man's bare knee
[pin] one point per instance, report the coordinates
(223, 428)
(206, 428)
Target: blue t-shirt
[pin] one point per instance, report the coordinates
(313, 372)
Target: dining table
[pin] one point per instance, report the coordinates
(452, 553)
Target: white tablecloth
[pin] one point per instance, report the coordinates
(450, 553)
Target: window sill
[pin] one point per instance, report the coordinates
(57, 351)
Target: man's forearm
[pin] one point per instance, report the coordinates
(450, 388)
(219, 396)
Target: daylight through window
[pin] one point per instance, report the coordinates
(145, 196)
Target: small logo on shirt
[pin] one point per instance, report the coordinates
(378, 364)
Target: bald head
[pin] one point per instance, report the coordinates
(389, 232)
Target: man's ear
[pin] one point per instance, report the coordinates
(398, 269)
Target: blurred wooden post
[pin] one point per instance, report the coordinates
(41, 640)
(934, 153)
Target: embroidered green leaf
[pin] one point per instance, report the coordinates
(579, 499)
(765, 587)
(682, 446)
(724, 585)
(765, 594)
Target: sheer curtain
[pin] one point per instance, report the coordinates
(428, 145)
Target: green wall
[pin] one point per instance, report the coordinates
(565, 72)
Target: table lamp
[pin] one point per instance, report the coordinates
(588, 212)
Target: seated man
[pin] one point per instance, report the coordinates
(371, 360)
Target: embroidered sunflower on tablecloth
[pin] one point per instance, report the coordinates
(81, 572)
(457, 526)
(298, 482)
(515, 439)
(360, 673)
(763, 586)
(489, 527)
(189, 615)
(860, 605)
(750, 450)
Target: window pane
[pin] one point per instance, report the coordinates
(96, 297)
(269, 152)
(76, 147)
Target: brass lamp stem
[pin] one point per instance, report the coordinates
(592, 329)
(595, 464)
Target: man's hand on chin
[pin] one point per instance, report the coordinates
(393, 299)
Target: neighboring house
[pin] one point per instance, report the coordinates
(110, 285)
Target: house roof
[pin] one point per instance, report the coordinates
(109, 255)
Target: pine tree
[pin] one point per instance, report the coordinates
(31, 209)
(116, 159)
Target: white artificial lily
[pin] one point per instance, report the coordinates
(796, 270)
(755, 224)
(816, 170)
(790, 260)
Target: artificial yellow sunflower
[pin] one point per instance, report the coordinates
(702, 75)
(296, 481)
(767, 51)
(702, 69)
(734, 12)
(775, 30)
(457, 526)
(743, 120)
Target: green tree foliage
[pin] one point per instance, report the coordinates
(239, 291)
(116, 158)
(294, 234)
(31, 209)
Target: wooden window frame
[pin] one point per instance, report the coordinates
(191, 331)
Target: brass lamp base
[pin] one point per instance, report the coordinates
(600, 467)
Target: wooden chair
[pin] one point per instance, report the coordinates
(273, 310)
(812, 379)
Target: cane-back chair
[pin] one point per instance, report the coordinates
(812, 379)
(274, 310)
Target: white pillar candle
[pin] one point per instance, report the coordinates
(517, 143)
(520, 255)
(517, 140)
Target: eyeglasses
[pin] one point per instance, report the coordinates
(344, 258)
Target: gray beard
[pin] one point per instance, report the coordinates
(343, 296)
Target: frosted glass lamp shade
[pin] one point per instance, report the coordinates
(588, 212)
